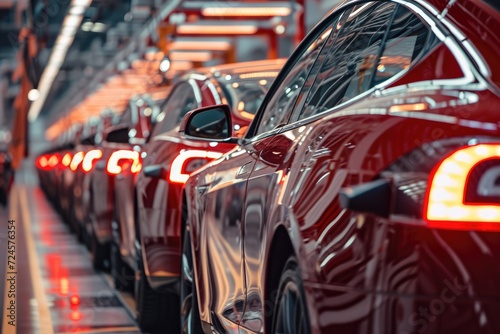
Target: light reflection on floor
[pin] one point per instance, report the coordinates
(58, 290)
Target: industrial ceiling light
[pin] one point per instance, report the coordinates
(165, 64)
(72, 20)
(33, 95)
(194, 45)
(181, 65)
(77, 10)
(57, 58)
(239, 9)
(191, 56)
(63, 42)
(246, 11)
(82, 3)
(68, 31)
(255, 75)
(279, 29)
(198, 29)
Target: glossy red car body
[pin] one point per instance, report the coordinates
(159, 199)
(376, 266)
(70, 181)
(51, 173)
(79, 195)
(128, 136)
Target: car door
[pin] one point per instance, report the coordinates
(224, 201)
(152, 192)
(277, 171)
(348, 139)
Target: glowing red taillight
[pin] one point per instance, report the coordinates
(89, 160)
(53, 160)
(445, 204)
(77, 159)
(74, 300)
(66, 160)
(188, 161)
(42, 162)
(76, 315)
(119, 159)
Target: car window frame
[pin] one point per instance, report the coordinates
(380, 50)
(379, 89)
(315, 33)
(298, 108)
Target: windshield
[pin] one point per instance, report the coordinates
(245, 94)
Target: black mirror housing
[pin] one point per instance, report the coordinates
(210, 123)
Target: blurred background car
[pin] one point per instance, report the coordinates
(364, 196)
(120, 149)
(147, 208)
(83, 160)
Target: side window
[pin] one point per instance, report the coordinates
(283, 100)
(406, 40)
(348, 68)
(179, 103)
(319, 61)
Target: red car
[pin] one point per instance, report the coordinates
(50, 169)
(120, 150)
(151, 247)
(365, 197)
(84, 159)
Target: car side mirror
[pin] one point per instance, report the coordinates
(210, 123)
(117, 134)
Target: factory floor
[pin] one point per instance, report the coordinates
(47, 281)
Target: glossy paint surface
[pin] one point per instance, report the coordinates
(102, 193)
(78, 194)
(159, 200)
(362, 273)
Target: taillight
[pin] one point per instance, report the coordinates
(121, 159)
(464, 190)
(66, 160)
(53, 160)
(43, 162)
(188, 161)
(77, 159)
(89, 160)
